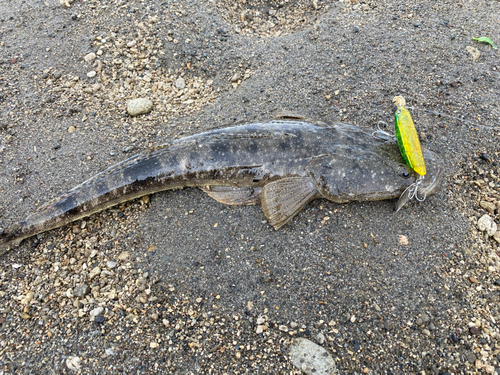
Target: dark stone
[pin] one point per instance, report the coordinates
(356, 345)
(474, 331)
(99, 319)
(81, 290)
(388, 325)
(485, 157)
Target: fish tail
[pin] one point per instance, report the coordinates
(12, 236)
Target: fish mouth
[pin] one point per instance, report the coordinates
(433, 185)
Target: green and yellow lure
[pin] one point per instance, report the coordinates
(408, 141)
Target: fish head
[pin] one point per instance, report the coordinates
(370, 173)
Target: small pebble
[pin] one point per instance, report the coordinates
(473, 331)
(99, 319)
(95, 272)
(236, 77)
(180, 83)
(27, 298)
(388, 325)
(73, 363)
(91, 74)
(89, 57)
(320, 338)
(474, 52)
(97, 311)
(110, 264)
(139, 106)
(488, 206)
(496, 236)
(71, 129)
(124, 256)
(356, 345)
(486, 224)
(311, 358)
(81, 290)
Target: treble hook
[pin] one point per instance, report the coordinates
(411, 192)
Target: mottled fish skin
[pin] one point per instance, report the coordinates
(284, 163)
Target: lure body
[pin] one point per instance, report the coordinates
(408, 141)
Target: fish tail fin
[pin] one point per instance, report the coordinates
(11, 236)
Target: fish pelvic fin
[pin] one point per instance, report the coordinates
(233, 196)
(403, 199)
(283, 199)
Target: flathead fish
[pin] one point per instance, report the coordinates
(283, 164)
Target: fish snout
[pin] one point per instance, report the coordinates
(435, 173)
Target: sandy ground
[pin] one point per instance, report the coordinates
(179, 283)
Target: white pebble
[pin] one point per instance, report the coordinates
(97, 311)
(486, 224)
(96, 271)
(89, 57)
(261, 320)
(139, 106)
(311, 358)
(91, 74)
(180, 83)
(73, 362)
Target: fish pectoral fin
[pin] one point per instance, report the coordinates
(288, 115)
(283, 199)
(403, 199)
(234, 196)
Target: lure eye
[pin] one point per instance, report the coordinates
(398, 111)
(405, 174)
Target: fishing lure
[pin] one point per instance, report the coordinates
(409, 146)
(408, 142)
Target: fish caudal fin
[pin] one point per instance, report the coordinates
(284, 198)
(10, 237)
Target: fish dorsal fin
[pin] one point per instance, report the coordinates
(233, 196)
(288, 115)
(284, 198)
